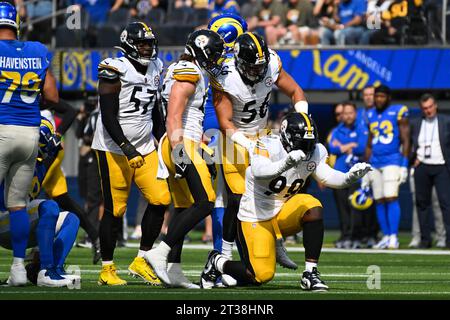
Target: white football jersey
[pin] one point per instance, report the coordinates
(195, 110)
(263, 198)
(136, 100)
(250, 103)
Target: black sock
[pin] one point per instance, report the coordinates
(68, 204)
(313, 239)
(109, 230)
(151, 224)
(238, 271)
(230, 217)
(186, 221)
(175, 252)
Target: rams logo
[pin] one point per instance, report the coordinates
(311, 166)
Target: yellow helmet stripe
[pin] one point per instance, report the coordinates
(146, 27)
(255, 40)
(48, 124)
(308, 123)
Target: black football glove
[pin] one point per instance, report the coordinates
(135, 159)
(208, 155)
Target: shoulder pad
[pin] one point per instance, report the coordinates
(186, 72)
(110, 69)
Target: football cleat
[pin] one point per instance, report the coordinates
(282, 256)
(108, 276)
(18, 275)
(311, 281)
(383, 243)
(228, 280)
(62, 272)
(210, 274)
(96, 255)
(159, 264)
(139, 268)
(393, 242)
(178, 279)
(33, 271)
(51, 278)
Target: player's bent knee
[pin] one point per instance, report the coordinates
(264, 276)
(49, 208)
(313, 214)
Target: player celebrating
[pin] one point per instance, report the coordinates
(272, 204)
(241, 98)
(189, 177)
(125, 146)
(389, 130)
(229, 26)
(24, 76)
(54, 231)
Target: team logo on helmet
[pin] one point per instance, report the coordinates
(201, 41)
(283, 125)
(156, 80)
(236, 48)
(123, 36)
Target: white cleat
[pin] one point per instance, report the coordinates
(393, 242)
(50, 278)
(178, 279)
(383, 243)
(18, 275)
(159, 265)
(228, 280)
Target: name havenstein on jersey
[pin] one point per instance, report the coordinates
(20, 63)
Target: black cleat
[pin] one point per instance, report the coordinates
(209, 274)
(33, 269)
(96, 255)
(311, 281)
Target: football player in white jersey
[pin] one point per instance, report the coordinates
(125, 147)
(272, 204)
(189, 177)
(241, 97)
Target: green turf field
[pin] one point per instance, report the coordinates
(407, 274)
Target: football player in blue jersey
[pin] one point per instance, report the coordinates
(53, 230)
(24, 78)
(387, 150)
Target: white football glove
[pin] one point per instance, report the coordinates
(358, 171)
(296, 156)
(365, 182)
(403, 175)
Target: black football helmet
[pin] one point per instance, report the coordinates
(298, 132)
(208, 49)
(138, 43)
(251, 56)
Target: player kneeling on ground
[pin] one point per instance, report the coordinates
(271, 205)
(53, 230)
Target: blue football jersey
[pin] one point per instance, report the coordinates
(23, 66)
(386, 135)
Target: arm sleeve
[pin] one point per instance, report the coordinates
(330, 177)
(109, 107)
(263, 168)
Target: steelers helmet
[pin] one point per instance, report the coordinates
(298, 132)
(46, 138)
(229, 26)
(9, 18)
(207, 48)
(132, 40)
(251, 56)
(361, 199)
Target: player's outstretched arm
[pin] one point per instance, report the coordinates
(338, 180)
(264, 168)
(289, 87)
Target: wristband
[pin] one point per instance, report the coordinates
(301, 106)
